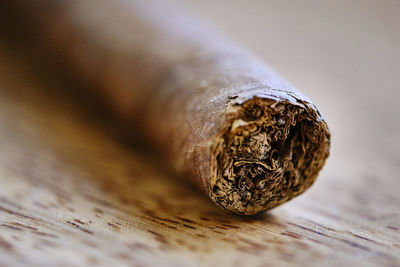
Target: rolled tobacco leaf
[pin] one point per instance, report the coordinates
(219, 116)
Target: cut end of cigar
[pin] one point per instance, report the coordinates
(268, 151)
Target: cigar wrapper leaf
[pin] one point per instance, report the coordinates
(218, 115)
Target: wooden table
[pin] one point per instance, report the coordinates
(73, 193)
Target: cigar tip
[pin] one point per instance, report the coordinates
(267, 152)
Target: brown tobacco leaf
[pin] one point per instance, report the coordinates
(268, 152)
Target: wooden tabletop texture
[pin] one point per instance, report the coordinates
(73, 193)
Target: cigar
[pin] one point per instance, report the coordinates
(217, 114)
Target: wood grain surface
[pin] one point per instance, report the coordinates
(73, 193)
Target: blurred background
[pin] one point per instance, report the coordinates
(69, 189)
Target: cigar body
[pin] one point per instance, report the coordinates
(217, 114)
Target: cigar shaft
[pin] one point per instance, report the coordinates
(221, 118)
